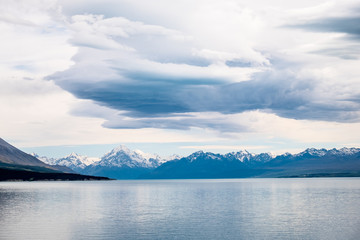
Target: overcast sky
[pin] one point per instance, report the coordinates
(179, 76)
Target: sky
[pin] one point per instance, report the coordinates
(174, 77)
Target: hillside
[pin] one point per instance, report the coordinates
(18, 165)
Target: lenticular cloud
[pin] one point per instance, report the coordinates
(156, 76)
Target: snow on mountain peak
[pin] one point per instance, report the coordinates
(322, 152)
(345, 151)
(350, 150)
(200, 154)
(73, 161)
(50, 161)
(72, 155)
(313, 152)
(243, 156)
(195, 155)
(122, 156)
(119, 149)
(147, 156)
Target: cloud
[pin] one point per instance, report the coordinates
(348, 52)
(347, 26)
(156, 76)
(203, 120)
(117, 68)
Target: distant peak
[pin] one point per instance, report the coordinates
(202, 154)
(139, 152)
(121, 148)
(73, 154)
(243, 151)
(197, 153)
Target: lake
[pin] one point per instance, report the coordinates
(312, 208)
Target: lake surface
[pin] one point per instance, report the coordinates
(317, 208)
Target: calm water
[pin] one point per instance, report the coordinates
(182, 209)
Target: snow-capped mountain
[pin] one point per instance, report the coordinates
(317, 162)
(249, 158)
(122, 156)
(323, 152)
(123, 163)
(202, 165)
(202, 155)
(344, 151)
(120, 162)
(44, 159)
(241, 156)
(73, 161)
(312, 152)
(76, 161)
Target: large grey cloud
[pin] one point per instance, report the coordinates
(149, 95)
(160, 77)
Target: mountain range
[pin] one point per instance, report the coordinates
(72, 161)
(309, 163)
(119, 163)
(16, 165)
(123, 163)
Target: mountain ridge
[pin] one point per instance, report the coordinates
(123, 163)
(120, 162)
(311, 162)
(74, 161)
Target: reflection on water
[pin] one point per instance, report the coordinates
(182, 209)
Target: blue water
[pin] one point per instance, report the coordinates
(317, 208)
